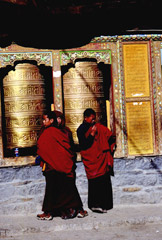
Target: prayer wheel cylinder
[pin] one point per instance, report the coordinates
(83, 88)
(24, 103)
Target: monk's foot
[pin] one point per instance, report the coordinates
(68, 214)
(97, 210)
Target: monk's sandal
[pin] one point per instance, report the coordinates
(82, 214)
(44, 216)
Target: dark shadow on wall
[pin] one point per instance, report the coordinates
(155, 166)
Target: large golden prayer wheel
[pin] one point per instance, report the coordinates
(83, 88)
(24, 103)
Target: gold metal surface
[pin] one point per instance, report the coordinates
(136, 70)
(138, 99)
(24, 103)
(83, 88)
(139, 126)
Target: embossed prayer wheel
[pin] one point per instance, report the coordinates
(24, 103)
(83, 88)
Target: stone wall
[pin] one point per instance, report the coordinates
(136, 181)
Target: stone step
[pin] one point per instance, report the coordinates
(18, 225)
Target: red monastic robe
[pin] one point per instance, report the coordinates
(98, 158)
(55, 149)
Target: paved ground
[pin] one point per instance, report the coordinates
(123, 222)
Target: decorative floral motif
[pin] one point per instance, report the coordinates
(100, 55)
(40, 57)
(133, 37)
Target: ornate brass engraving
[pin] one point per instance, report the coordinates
(83, 88)
(24, 103)
(83, 103)
(30, 90)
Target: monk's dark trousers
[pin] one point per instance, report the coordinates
(100, 192)
(61, 193)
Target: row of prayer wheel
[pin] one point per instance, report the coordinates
(24, 100)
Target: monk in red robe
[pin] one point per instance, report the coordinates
(55, 147)
(97, 145)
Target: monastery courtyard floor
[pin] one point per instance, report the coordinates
(136, 222)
